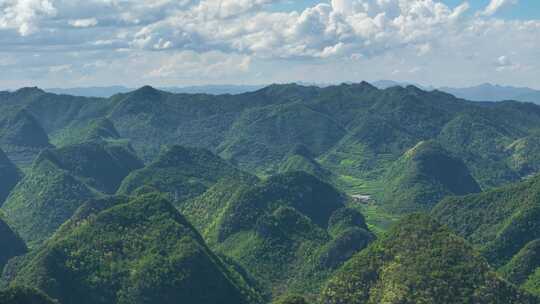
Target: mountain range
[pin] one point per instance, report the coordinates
(482, 92)
(109, 91)
(285, 194)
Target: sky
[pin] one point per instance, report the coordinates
(80, 43)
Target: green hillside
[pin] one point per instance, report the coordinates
(301, 159)
(290, 231)
(21, 135)
(482, 143)
(142, 251)
(262, 137)
(420, 261)
(291, 299)
(279, 183)
(524, 268)
(152, 118)
(422, 177)
(24, 295)
(9, 176)
(181, 173)
(10, 243)
(525, 155)
(19, 128)
(205, 210)
(500, 221)
(504, 224)
(356, 131)
(60, 181)
(85, 131)
(102, 166)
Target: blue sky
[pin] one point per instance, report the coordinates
(525, 9)
(67, 43)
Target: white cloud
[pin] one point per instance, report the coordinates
(503, 60)
(189, 64)
(496, 5)
(24, 15)
(341, 29)
(229, 8)
(343, 6)
(503, 63)
(60, 68)
(89, 22)
(398, 35)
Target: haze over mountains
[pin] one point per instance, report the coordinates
(151, 196)
(112, 90)
(482, 92)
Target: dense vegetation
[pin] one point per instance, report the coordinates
(61, 180)
(356, 131)
(154, 197)
(290, 231)
(504, 224)
(21, 135)
(524, 267)
(420, 261)
(422, 177)
(501, 221)
(9, 176)
(291, 299)
(23, 295)
(142, 251)
(182, 173)
(301, 159)
(10, 243)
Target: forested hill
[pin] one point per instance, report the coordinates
(353, 130)
(292, 194)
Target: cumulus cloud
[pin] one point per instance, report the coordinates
(496, 5)
(229, 8)
(342, 28)
(504, 63)
(24, 15)
(343, 6)
(89, 22)
(239, 34)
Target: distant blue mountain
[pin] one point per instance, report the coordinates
(214, 89)
(490, 92)
(112, 90)
(483, 92)
(91, 91)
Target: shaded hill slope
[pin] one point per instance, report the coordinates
(181, 173)
(501, 221)
(420, 261)
(290, 231)
(422, 177)
(301, 159)
(355, 130)
(60, 181)
(24, 295)
(21, 135)
(9, 176)
(141, 251)
(524, 268)
(10, 243)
